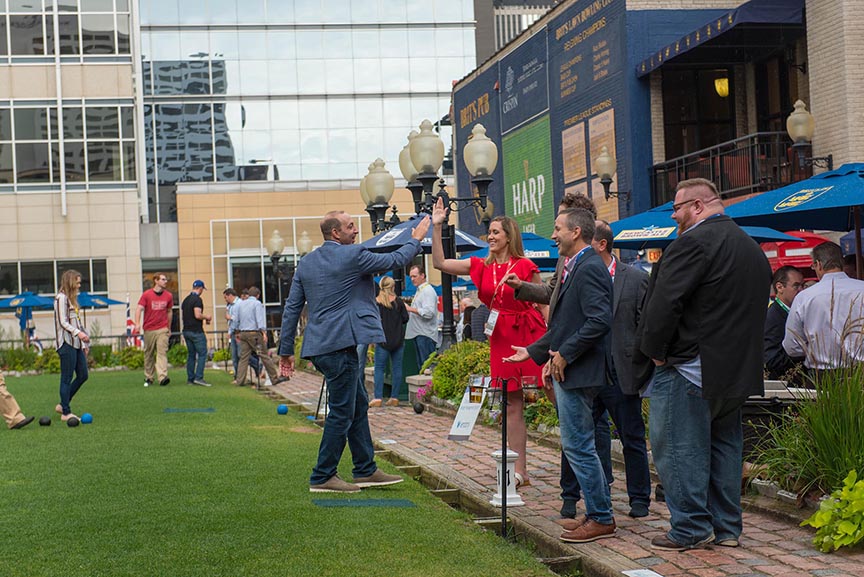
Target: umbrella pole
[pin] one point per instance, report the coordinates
(858, 260)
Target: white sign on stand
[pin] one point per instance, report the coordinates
(466, 416)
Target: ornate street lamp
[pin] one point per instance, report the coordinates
(275, 246)
(427, 155)
(605, 164)
(376, 190)
(800, 126)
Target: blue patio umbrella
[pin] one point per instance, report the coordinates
(85, 299)
(400, 234)
(655, 229)
(829, 201)
(847, 242)
(26, 299)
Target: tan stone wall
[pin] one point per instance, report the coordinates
(79, 81)
(99, 225)
(835, 69)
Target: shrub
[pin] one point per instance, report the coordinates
(822, 440)
(540, 413)
(840, 518)
(100, 356)
(450, 376)
(177, 355)
(17, 359)
(49, 362)
(222, 355)
(131, 358)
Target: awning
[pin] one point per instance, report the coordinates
(736, 36)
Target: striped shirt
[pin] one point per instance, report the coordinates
(67, 325)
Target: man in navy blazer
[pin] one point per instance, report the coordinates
(335, 283)
(574, 350)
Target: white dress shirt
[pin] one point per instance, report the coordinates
(825, 323)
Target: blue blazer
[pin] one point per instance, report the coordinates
(335, 281)
(580, 317)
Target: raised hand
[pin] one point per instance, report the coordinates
(419, 232)
(439, 212)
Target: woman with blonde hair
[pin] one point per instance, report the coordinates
(394, 316)
(72, 341)
(511, 322)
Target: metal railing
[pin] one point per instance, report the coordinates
(751, 164)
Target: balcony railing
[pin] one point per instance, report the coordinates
(751, 164)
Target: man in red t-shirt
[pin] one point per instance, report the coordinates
(156, 304)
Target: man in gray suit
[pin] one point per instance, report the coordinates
(335, 282)
(574, 353)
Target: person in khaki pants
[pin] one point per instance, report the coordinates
(10, 410)
(250, 325)
(156, 305)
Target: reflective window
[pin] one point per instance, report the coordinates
(283, 76)
(193, 11)
(31, 124)
(281, 45)
(284, 114)
(253, 77)
(28, 37)
(162, 11)
(224, 11)
(310, 44)
(251, 12)
(369, 112)
(309, 77)
(342, 146)
(313, 146)
(5, 124)
(340, 76)
(38, 277)
(9, 278)
(286, 146)
(340, 113)
(365, 43)
(279, 12)
(422, 42)
(308, 11)
(367, 75)
(6, 167)
(253, 45)
(3, 36)
(97, 34)
(365, 12)
(69, 38)
(423, 75)
(395, 75)
(337, 44)
(223, 45)
(194, 44)
(313, 114)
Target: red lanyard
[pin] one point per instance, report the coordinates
(495, 280)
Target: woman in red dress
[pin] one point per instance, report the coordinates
(519, 323)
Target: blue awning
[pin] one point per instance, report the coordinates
(755, 12)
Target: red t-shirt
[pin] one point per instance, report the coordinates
(156, 308)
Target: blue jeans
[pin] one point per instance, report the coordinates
(626, 413)
(570, 490)
(72, 360)
(347, 419)
(697, 445)
(576, 420)
(382, 358)
(424, 346)
(235, 356)
(196, 345)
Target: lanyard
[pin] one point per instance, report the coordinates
(613, 267)
(782, 305)
(498, 284)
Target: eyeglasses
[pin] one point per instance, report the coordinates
(795, 285)
(677, 207)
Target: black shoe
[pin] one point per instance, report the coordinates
(24, 423)
(638, 510)
(568, 509)
(164, 382)
(659, 493)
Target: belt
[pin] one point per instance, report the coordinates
(253, 331)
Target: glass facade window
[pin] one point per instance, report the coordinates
(294, 90)
(98, 144)
(42, 277)
(89, 28)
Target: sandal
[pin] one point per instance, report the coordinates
(522, 481)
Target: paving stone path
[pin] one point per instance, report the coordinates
(769, 547)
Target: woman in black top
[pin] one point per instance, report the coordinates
(393, 319)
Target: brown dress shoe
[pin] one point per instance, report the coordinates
(573, 524)
(375, 403)
(589, 531)
(392, 402)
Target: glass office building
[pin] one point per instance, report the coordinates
(292, 90)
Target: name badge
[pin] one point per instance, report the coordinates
(489, 327)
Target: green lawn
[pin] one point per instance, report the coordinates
(144, 492)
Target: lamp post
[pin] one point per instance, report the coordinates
(481, 158)
(605, 164)
(800, 126)
(275, 246)
(376, 190)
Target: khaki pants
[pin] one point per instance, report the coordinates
(156, 354)
(249, 341)
(9, 406)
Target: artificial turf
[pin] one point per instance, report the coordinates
(145, 492)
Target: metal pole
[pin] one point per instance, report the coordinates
(448, 328)
(504, 468)
(859, 265)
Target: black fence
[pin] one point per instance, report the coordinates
(751, 164)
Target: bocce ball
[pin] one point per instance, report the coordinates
(282, 409)
(72, 421)
(45, 421)
(419, 407)
(86, 419)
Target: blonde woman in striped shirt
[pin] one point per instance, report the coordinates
(72, 341)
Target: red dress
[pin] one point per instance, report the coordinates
(519, 322)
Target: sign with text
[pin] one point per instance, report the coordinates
(524, 83)
(528, 179)
(478, 102)
(466, 416)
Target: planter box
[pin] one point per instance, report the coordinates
(414, 382)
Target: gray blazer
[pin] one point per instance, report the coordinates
(628, 294)
(335, 281)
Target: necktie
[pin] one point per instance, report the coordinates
(566, 269)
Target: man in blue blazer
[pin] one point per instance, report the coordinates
(335, 283)
(574, 348)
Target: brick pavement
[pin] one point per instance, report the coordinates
(769, 547)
